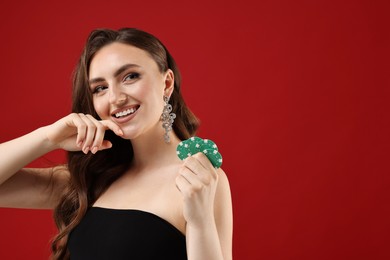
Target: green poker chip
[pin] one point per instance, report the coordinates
(195, 145)
(208, 144)
(214, 156)
(182, 150)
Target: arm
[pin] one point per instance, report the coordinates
(34, 188)
(27, 188)
(207, 209)
(17, 153)
(214, 239)
(41, 188)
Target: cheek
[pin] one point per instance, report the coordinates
(150, 92)
(99, 108)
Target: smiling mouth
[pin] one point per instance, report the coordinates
(126, 112)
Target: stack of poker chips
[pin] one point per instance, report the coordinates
(195, 145)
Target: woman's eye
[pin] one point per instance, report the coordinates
(98, 89)
(131, 76)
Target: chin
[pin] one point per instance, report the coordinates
(128, 136)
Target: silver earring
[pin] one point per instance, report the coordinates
(167, 119)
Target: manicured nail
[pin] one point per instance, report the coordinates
(94, 150)
(86, 149)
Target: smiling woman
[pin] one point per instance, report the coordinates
(123, 194)
(125, 78)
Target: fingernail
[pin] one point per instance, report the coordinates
(86, 149)
(94, 150)
(120, 132)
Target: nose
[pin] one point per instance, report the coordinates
(116, 96)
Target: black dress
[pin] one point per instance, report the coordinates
(116, 234)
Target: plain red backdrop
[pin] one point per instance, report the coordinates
(295, 93)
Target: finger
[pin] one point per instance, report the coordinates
(182, 184)
(206, 164)
(193, 179)
(112, 126)
(178, 182)
(195, 164)
(81, 129)
(100, 129)
(90, 133)
(105, 145)
(203, 160)
(188, 184)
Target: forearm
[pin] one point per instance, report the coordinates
(203, 242)
(17, 153)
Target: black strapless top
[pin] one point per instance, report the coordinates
(116, 234)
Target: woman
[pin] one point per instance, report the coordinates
(124, 193)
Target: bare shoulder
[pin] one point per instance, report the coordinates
(224, 214)
(223, 188)
(39, 188)
(223, 199)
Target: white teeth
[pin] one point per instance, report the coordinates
(126, 112)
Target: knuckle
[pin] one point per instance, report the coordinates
(91, 125)
(198, 155)
(188, 160)
(191, 193)
(74, 117)
(177, 178)
(82, 128)
(208, 180)
(215, 176)
(100, 127)
(211, 173)
(210, 177)
(182, 169)
(90, 117)
(197, 187)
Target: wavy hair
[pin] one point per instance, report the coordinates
(91, 174)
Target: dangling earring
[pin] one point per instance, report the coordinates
(167, 119)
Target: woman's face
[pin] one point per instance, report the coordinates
(128, 88)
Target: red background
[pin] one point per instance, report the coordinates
(295, 93)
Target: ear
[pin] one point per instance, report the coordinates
(169, 83)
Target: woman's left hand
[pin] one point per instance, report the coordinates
(197, 181)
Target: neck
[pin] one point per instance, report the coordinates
(151, 151)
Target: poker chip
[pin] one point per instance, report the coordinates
(182, 150)
(195, 145)
(214, 156)
(208, 144)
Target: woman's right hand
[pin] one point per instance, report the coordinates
(81, 132)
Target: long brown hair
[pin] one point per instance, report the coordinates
(91, 174)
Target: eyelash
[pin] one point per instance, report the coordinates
(98, 89)
(133, 76)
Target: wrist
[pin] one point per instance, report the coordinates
(201, 222)
(41, 135)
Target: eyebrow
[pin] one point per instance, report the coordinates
(116, 73)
